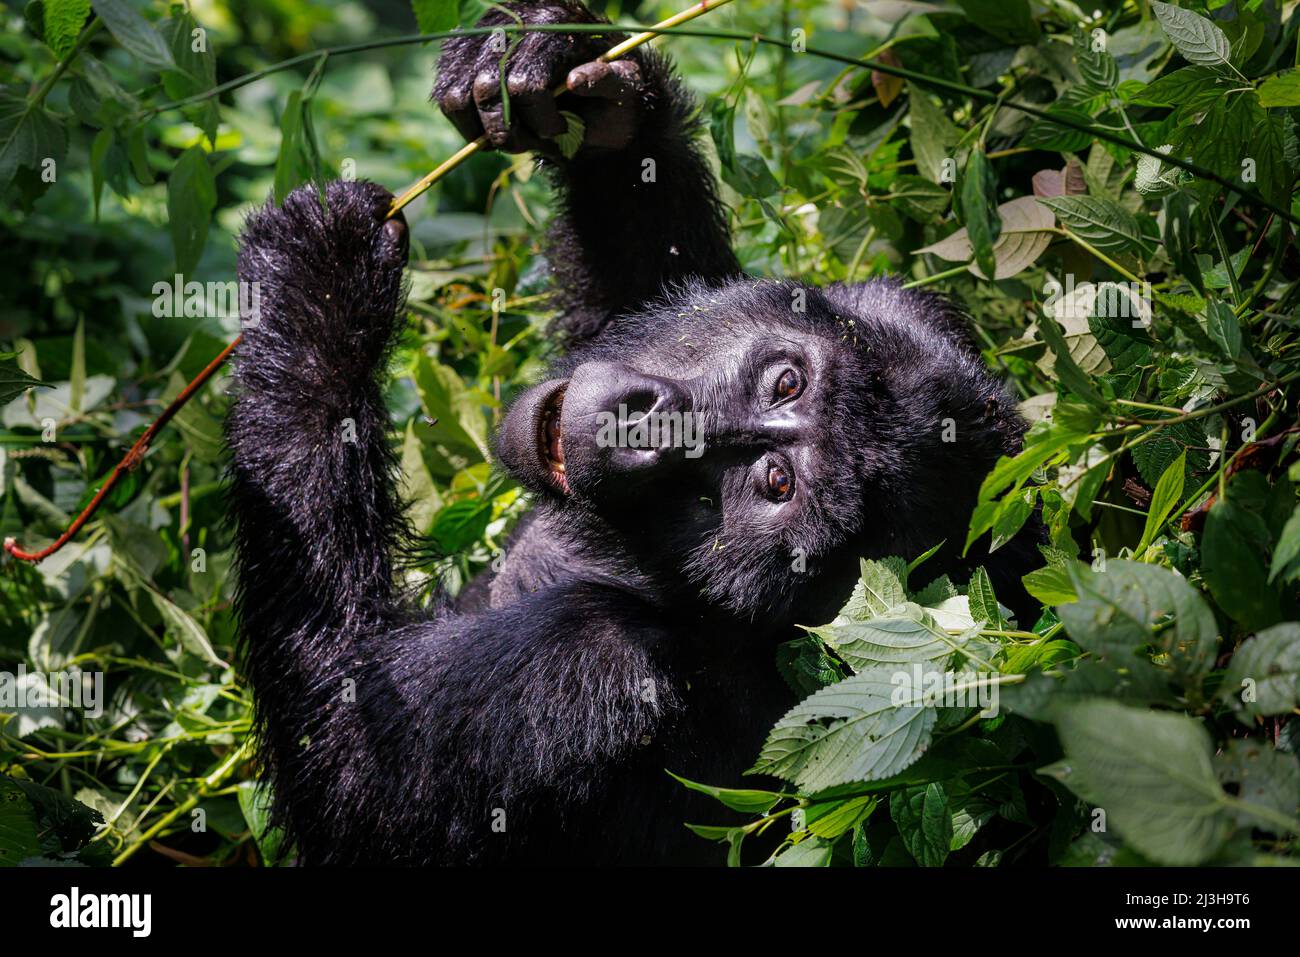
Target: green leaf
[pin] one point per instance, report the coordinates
(1051, 584)
(1101, 222)
(983, 602)
(746, 801)
(14, 382)
(77, 376)
(983, 225)
(435, 16)
(63, 22)
(18, 837)
(1097, 67)
(1130, 606)
(1152, 774)
(924, 821)
(29, 135)
(1267, 780)
(1011, 21)
(1263, 677)
(1281, 90)
(1235, 566)
(187, 631)
(1221, 325)
(1195, 37)
(849, 732)
(1169, 490)
(136, 34)
(191, 198)
(1188, 85)
(1287, 550)
(255, 805)
(918, 198)
(907, 633)
(933, 134)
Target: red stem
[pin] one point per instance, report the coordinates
(129, 461)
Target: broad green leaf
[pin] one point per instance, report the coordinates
(136, 34)
(1194, 36)
(1152, 774)
(1130, 606)
(255, 804)
(29, 135)
(1167, 494)
(435, 16)
(18, 837)
(1011, 21)
(1222, 326)
(904, 634)
(1235, 565)
(851, 731)
(1287, 550)
(979, 192)
(810, 852)
(933, 135)
(918, 198)
(1267, 780)
(1101, 222)
(191, 198)
(1281, 90)
(187, 631)
(1263, 677)
(1097, 67)
(924, 821)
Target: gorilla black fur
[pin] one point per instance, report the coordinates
(632, 628)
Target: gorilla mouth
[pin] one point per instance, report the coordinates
(550, 440)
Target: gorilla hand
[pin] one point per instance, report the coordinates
(609, 98)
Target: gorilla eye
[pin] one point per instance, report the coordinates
(789, 384)
(779, 482)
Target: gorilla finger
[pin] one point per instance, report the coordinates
(491, 111)
(458, 106)
(537, 109)
(609, 81)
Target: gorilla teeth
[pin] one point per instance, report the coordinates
(551, 439)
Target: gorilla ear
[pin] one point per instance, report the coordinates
(885, 299)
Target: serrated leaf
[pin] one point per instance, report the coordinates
(1151, 772)
(849, 732)
(1102, 222)
(29, 135)
(63, 21)
(924, 821)
(1263, 677)
(1194, 36)
(14, 382)
(1130, 606)
(136, 34)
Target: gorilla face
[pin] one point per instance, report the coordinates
(741, 452)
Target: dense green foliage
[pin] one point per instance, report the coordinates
(1145, 312)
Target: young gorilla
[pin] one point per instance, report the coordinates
(633, 626)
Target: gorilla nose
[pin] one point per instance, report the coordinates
(622, 424)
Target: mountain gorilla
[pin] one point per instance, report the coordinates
(633, 625)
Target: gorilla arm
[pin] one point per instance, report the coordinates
(390, 736)
(638, 206)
